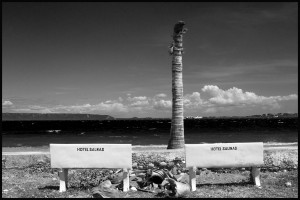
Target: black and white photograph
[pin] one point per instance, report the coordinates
(149, 99)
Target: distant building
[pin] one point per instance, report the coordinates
(192, 117)
(198, 117)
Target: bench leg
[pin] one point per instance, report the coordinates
(125, 180)
(63, 179)
(192, 172)
(256, 176)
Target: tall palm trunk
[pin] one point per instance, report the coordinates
(176, 140)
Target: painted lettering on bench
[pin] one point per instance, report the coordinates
(229, 148)
(216, 148)
(90, 149)
(222, 148)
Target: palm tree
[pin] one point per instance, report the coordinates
(176, 140)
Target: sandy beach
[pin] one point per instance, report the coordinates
(135, 148)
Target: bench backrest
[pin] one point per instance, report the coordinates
(91, 156)
(222, 155)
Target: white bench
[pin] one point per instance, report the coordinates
(224, 155)
(74, 156)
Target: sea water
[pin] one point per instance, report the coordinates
(149, 132)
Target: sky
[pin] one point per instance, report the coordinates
(111, 58)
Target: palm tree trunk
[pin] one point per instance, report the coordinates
(176, 140)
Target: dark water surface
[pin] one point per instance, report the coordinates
(148, 132)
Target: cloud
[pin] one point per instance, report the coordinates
(161, 95)
(212, 100)
(140, 101)
(140, 98)
(7, 103)
(237, 97)
(193, 100)
(162, 104)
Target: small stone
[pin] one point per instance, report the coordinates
(141, 167)
(133, 189)
(151, 165)
(174, 171)
(132, 175)
(5, 190)
(54, 179)
(186, 169)
(40, 161)
(111, 171)
(106, 184)
(155, 185)
(243, 169)
(134, 165)
(177, 159)
(162, 164)
(170, 164)
(285, 171)
(288, 184)
(142, 175)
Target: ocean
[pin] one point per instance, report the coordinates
(149, 132)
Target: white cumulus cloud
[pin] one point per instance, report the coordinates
(237, 97)
(7, 103)
(162, 104)
(211, 100)
(193, 100)
(161, 95)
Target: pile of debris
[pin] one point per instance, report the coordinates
(170, 178)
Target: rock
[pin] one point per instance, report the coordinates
(141, 167)
(111, 171)
(134, 165)
(151, 165)
(288, 184)
(162, 164)
(174, 171)
(54, 179)
(133, 189)
(170, 164)
(177, 159)
(185, 169)
(104, 190)
(41, 161)
(5, 190)
(285, 171)
(243, 169)
(105, 184)
(116, 178)
(141, 175)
